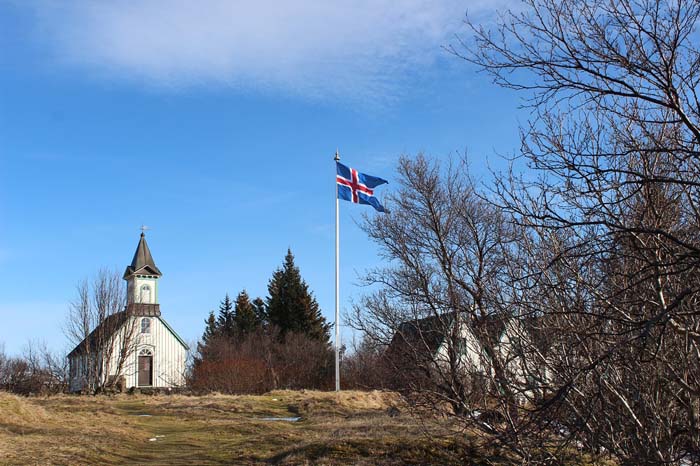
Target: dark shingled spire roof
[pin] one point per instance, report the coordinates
(142, 262)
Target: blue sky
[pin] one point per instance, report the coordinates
(216, 126)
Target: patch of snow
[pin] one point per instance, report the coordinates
(152, 439)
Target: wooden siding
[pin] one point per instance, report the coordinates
(169, 355)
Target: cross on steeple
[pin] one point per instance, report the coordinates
(142, 278)
(144, 228)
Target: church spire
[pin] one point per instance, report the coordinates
(142, 263)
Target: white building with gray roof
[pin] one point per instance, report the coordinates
(139, 348)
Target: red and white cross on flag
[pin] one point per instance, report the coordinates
(357, 187)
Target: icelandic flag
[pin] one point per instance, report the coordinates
(357, 187)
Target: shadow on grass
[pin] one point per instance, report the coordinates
(384, 452)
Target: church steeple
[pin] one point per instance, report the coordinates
(142, 263)
(142, 279)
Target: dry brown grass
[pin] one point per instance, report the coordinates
(32, 431)
(345, 428)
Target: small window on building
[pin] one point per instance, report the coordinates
(146, 325)
(145, 294)
(462, 348)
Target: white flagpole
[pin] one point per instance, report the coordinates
(337, 283)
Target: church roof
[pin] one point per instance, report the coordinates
(103, 331)
(142, 263)
(109, 327)
(429, 333)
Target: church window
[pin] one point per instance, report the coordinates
(145, 294)
(462, 346)
(145, 325)
(145, 352)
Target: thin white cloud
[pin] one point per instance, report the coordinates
(320, 48)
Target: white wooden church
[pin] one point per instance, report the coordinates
(142, 350)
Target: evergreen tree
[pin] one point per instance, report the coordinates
(291, 306)
(225, 322)
(245, 318)
(260, 311)
(211, 330)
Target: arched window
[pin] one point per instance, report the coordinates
(145, 325)
(145, 294)
(145, 352)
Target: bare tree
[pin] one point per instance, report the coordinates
(49, 369)
(613, 248)
(545, 339)
(445, 306)
(36, 370)
(102, 332)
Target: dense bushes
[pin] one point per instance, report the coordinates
(367, 368)
(254, 347)
(261, 361)
(35, 371)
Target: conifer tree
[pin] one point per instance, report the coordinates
(245, 318)
(291, 306)
(211, 330)
(225, 321)
(260, 311)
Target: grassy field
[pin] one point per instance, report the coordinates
(345, 428)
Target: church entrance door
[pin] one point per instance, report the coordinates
(145, 371)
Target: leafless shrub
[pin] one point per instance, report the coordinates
(366, 368)
(261, 361)
(229, 368)
(36, 371)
